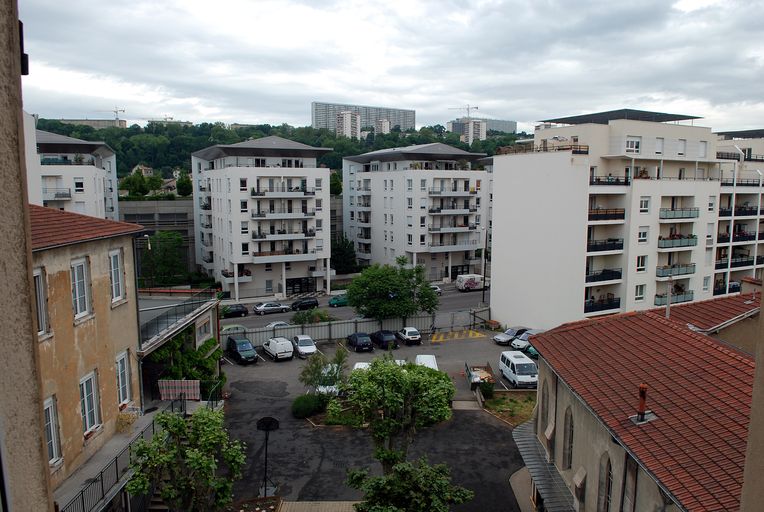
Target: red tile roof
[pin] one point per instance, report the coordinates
(55, 228)
(699, 389)
(708, 315)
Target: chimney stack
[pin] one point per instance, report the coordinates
(642, 402)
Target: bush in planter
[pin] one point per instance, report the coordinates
(486, 388)
(308, 405)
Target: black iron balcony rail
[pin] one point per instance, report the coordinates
(745, 182)
(606, 274)
(308, 191)
(609, 244)
(722, 238)
(576, 149)
(725, 212)
(748, 156)
(206, 225)
(746, 210)
(741, 261)
(609, 180)
(607, 214)
(678, 213)
(592, 306)
(744, 236)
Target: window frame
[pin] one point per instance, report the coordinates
(51, 428)
(644, 204)
(646, 231)
(80, 262)
(116, 275)
(87, 427)
(639, 292)
(122, 369)
(643, 267)
(41, 299)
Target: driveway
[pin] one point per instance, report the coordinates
(309, 464)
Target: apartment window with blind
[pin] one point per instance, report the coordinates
(50, 415)
(116, 276)
(123, 378)
(41, 298)
(89, 402)
(80, 281)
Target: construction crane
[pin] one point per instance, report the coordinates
(468, 108)
(116, 112)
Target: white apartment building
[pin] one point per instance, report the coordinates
(618, 211)
(70, 174)
(425, 202)
(262, 208)
(382, 126)
(324, 115)
(469, 130)
(349, 124)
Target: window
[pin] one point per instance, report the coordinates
(659, 146)
(422, 240)
(319, 224)
(244, 227)
(642, 234)
(392, 219)
(243, 206)
(123, 378)
(268, 267)
(80, 285)
(409, 221)
(409, 184)
(318, 184)
(644, 204)
(567, 445)
(385, 184)
(711, 203)
(409, 203)
(422, 221)
(392, 185)
(641, 263)
(392, 239)
(477, 220)
(243, 184)
(385, 235)
(51, 430)
(703, 149)
(706, 283)
(681, 147)
(79, 184)
(422, 185)
(41, 298)
(287, 265)
(203, 330)
(410, 239)
(269, 286)
(89, 402)
(639, 292)
(244, 248)
(633, 144)
(385, 217)
(319, 205)
(115, 273)
(605, 492)
(423, 203)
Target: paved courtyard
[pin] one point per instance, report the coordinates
(309, 463)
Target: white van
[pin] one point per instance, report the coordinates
(278, 348)
(469, 282)
(426, 360)
(518, 369)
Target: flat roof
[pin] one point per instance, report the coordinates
(264, 146)
(758, 133)
(432, 151)
(54, 142)
(624, 113)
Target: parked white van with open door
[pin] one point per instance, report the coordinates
(518, 369)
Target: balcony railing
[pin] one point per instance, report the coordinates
(176, 313)
(208, 258)
(722, 238)
(206, 225)
(606, 274)
(744, 236)
(206, 206)
(282, 211)
(678, 213)
(207, 243)
(66, 161)
(53, 194)
(576, 149)
(679, 269)
(725, 212)
(592, 306)
(748, 156)
(746, 210)
(451, 191)
(665, 243)
(285, 252)
(748, 182)
(661, 298)
(609, 244)
(608, 180)
(607, 214)
(741, 261)
(271, 190)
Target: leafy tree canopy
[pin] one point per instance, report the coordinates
(343, 256)
(384, 291)
(184, 186)
(335, 184)
(163, 262)
(314, 373)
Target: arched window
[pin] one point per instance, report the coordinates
(544, 413)
(605, 490)
(567, 445)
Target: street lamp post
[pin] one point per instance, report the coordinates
(267, 424)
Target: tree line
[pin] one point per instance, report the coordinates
(169, 146)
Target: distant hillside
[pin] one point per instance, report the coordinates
(167, 146)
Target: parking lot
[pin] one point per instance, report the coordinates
(309, 463)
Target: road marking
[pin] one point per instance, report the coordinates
(228, 361)
(440, 337)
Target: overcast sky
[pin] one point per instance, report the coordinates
(257, 61)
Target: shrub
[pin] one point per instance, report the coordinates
(311, 316)
(307, 405)
(486, 388)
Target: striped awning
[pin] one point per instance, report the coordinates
(557, 497)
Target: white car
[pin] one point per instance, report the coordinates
(330, 378)
(436, 289)
(261, 308)
(507, 336)
(409, 335)
(304, 345)
(277, 324)
(521, 342)
(278, 348)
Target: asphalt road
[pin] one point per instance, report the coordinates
(309, 464)
(451, 302)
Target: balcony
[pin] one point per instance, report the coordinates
(609, 244)
(678, 269)
(678, 213)
(728, 182)
(748, 155)
(203, 188)
(206, 243)
(661, 300)
(364, 236)
(576, 149)
(285, 255)
(722, 238)
(282, 192)
(244, 277)
(208, 258)
(452, 192)
(595, 306)
(206, 225)
(725, 212)
(206, 206)
(282, 214)
(452, 229)
(606, 274)
(608, 180)
(607, 214)
(361, 221)
(364, 191)
(677, 241)
(451, 211)
(741, 261)
(742, 211)
(363, 207)
(453, 245)
(66, 161)
(56, 194)
(744, 236)
(283, 234)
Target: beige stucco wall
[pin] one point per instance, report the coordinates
(744, 334)
(590, 441)
(22, 454)
(753, 491)
(77, 347)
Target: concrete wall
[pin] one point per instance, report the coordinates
(753, 491)
(75, 347)
(22, 452)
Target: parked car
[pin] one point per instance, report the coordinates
(330, 379)
(304, 345)
(360, 341)
(531, 352)
(278, 348)
(233, 310)
(307, 303)
(410, 336)
(507, 336)
(436, 289)
(518, 369)
(361, 366)
(521, 342)
(384, 339)
(338, 300)
(233, 329)
(280, 323)
(262, 308)
(240, 349)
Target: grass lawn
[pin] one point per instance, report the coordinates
(515, 406)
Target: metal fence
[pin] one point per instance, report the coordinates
(175, 314)
(103, 484)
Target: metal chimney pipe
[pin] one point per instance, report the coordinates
(642, 402)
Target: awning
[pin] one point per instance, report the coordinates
(557, 497)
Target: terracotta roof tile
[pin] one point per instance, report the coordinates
(707, 315)
(54, 228)
(699, 389)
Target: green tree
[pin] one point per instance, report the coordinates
(314, 374)
(396, 401)
(343, 256)
(184, 186)
(162, 260)
(194, 463)
(335, 184)
(135, 184)
(384, 291)
(408, 488)
(154, 183)
(311, 316)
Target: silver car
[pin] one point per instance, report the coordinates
(521, 342)
(304, 345)
(261, 308)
